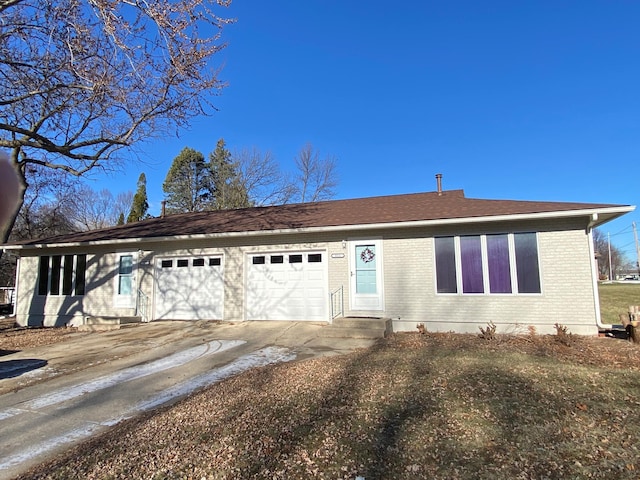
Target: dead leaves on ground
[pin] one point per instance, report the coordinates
(414, 406)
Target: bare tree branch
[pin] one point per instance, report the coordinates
(82, 79)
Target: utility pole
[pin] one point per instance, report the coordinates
(635, 235)
(610, 269)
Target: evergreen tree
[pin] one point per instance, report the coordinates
(228, 186)
(139, 206)
(188, 186)
(121, 219)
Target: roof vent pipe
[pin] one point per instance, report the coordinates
(439, 182)
(162, 209)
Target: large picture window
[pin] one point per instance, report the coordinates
(62, 275)
(488, 264)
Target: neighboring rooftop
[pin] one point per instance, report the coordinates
(445, 205)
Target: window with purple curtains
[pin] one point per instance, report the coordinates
(498, 262)
(526, 246)
(446, 281)
(471, 256)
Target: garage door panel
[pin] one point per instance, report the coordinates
(292, 289)
(189, 288)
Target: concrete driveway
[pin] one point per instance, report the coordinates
(54, 396)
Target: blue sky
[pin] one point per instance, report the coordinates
(529, 100)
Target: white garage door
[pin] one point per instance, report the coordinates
(287, 286)
(189, 288)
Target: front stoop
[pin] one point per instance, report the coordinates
(103, 324)
(357, 327)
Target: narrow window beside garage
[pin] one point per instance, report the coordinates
(125, 275)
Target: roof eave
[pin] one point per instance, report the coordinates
(596, 216)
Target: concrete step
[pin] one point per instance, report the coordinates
(103, 324)
(353, 327)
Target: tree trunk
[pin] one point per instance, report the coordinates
(6, 229)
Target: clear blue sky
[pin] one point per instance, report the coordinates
(529, 100)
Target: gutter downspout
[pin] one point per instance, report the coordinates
(15, 292)
(594, 274)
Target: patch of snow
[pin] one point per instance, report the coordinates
(258, 358)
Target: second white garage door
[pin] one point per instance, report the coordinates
(287, 286)
(189, 288)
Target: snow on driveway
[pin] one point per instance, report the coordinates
(258, 358)
(175, 360)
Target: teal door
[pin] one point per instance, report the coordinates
(366, 275)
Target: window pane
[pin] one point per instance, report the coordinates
(124, 286)
(126, 265)
(81, 266)
(315, 258)
(56, 262)
(499, 266)
(258, 260)
(198, 262)
(43, 279)
(471, 258)
(67, 276)
(445, 265)
(277, 259)
(527, 262)
(214, 262)
(295, 258)
(182, 262)
(166, 263)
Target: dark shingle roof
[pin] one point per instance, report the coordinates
(451, 204)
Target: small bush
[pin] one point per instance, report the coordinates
(563, 335)
(488, 333)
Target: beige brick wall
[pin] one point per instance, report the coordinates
(567, 290)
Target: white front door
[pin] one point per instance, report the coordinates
(365, 259)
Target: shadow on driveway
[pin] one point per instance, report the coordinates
(15, 368)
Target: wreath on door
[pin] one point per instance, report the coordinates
(367, 255)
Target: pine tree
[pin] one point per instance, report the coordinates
(121, 219)
(139, 206)
(229, 188)
(188, 186)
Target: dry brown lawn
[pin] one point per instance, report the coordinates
(438, 406)
(14, 338)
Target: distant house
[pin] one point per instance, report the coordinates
(450, 262)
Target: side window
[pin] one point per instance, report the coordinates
(526, 250)
(125, 275)
(446, 280)
(62, 275)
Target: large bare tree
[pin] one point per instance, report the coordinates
(83, 79)
(316, 178)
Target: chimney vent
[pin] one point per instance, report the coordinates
(439, 182)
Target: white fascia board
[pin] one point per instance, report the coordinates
(607, 213)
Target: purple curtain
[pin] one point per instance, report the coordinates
(498, 257)
(471, 257)
(527, 262)
(445, 265)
